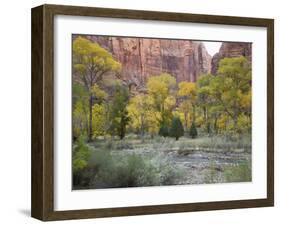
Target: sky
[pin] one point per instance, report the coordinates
(212, 47)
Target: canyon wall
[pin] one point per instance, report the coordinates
(231, 49)
(144, 57)
(183, 59)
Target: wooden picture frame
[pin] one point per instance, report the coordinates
(42, 204)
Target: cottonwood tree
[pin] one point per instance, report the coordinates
(140, 111)
(204, 98)
(91, 62)
(232, 88)
(161, 89)
(188, 95)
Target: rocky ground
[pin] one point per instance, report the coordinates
(199, 165)
(207, 167)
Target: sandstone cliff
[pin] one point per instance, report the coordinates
(143, 57)
(231, 49)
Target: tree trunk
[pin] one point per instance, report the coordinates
(122, 130)
(206, 117)
(142, 128)
(90, 134)
(235, 117)
(236, 124)
(235, 120)
(205, 114)
(186, 121)
(215, 125)
(193, 113)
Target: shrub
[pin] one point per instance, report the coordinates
(81, 154)
(176, 130)
(213, 174)
(126, 171)
(107, 170)
(122, 144)
(80, 157)
(239, 173)
(193, 131)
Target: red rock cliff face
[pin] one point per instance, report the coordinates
(231, 49)
(144, 57)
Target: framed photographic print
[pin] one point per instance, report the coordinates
(141, 112)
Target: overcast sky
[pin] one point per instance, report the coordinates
(212, 47)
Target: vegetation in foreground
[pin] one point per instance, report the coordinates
(133, 162)
(107, 169)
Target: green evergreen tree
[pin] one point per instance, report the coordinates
(176, 128)
(193, 131)
(164, 130)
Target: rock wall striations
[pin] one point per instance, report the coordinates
(184, 59)
(231, 49)
(144, 57)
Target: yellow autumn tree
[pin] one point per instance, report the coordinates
(161, 89)
(142, 114)
(188, 95)
(98, 93)
(231, 89)
(91, 62)
(99, 120)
